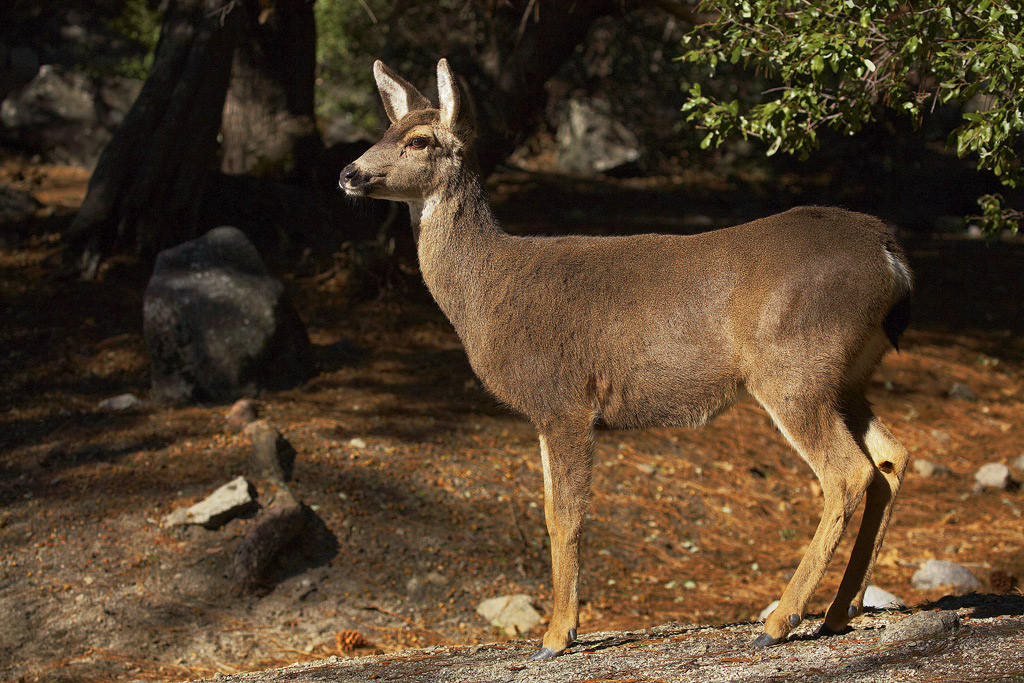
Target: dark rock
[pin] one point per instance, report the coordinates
(218, 326)
(273, 458)
(921, 626)
(17, 207)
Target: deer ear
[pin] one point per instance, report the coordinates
(400, 97)
(456, 109)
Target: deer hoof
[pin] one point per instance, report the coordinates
(824, 631)
(543, 654)
(764, 640)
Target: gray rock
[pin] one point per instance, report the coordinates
(941, 573)
(962, 391)
(1018, 462)
(994, 475)
(55, 114)
(218, 326)
(921, 626)
(512, 613)
(591, 141)
(876, 598)
(122, 402)
(229, 501)
(926, 468)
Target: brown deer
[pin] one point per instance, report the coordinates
(795, 310)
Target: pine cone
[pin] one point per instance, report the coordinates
(349, 640)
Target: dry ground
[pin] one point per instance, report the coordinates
(443, 506)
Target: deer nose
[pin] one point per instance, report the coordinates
(348, 174)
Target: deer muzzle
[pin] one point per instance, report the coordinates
(355, 181)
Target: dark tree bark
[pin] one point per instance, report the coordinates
(242, 70)
(269, 127)
(145, 192)
(506, 52)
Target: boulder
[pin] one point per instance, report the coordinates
(218, 327)
(591, 141)
(64, 116)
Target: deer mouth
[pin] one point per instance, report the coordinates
(357, 183)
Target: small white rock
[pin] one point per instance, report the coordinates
(926, 468)
(994, 475)
(122, 402)
(1018, 462)
(357, 443)
(512, 613)
(224, 504)
(876, 598)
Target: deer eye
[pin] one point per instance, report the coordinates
(418, 142)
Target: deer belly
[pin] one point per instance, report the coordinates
(659, 396)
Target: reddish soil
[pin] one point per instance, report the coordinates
(442, 507)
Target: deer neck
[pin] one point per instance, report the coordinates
(459, 244)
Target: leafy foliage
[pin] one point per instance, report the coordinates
(140, 25)
(349, 36)
(839, 61)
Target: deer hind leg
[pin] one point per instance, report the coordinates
(890, 460)
(567, 456)
(821, 436)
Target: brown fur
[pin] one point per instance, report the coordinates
(795, 309)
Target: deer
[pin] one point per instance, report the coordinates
(795, 310)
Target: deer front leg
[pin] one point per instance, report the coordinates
(567, 458)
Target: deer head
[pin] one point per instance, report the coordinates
(423, 147)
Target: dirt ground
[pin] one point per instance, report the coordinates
(430, 492)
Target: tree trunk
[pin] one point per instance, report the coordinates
(145, 192)
(506, 52)
(242, 70)
(269, 128)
